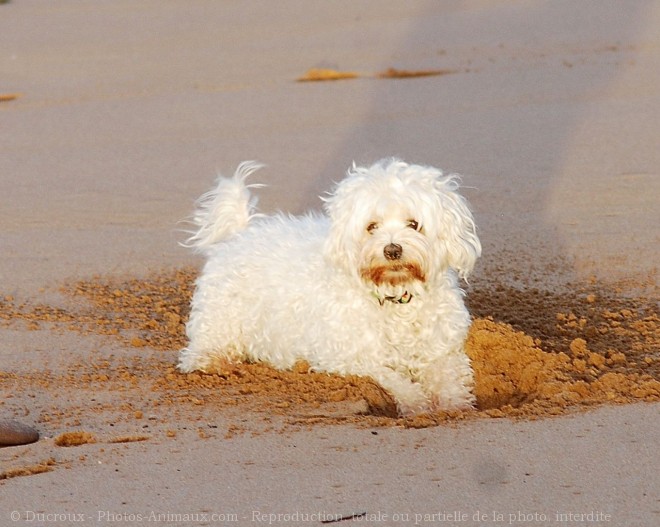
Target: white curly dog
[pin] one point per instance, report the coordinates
(371, 288)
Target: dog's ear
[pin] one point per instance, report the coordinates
(340, 247)
(457, 230)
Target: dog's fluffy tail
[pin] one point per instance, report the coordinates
(224, 210)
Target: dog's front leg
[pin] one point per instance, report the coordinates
(449, 381)
(409, 396)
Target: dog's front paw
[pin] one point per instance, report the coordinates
(466, 401)
(409, 397)
(413, 401)
(410, 410)
(449, 382)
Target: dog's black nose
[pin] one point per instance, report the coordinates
(393, 251)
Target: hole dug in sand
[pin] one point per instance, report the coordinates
(546, 354)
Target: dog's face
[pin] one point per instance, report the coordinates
(394, 249)
(397, 226)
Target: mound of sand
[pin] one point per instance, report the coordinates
(75, 438)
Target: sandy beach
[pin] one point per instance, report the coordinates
(116, 116)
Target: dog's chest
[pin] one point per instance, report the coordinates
(403, 336)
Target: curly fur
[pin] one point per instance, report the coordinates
(368, 288)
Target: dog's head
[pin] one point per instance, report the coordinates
(397, 226)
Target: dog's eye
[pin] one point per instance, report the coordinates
(413, 224)
(372, 227)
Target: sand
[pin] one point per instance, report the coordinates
(115, 117)
(565, 352)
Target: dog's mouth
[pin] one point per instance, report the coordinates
(393, 274)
